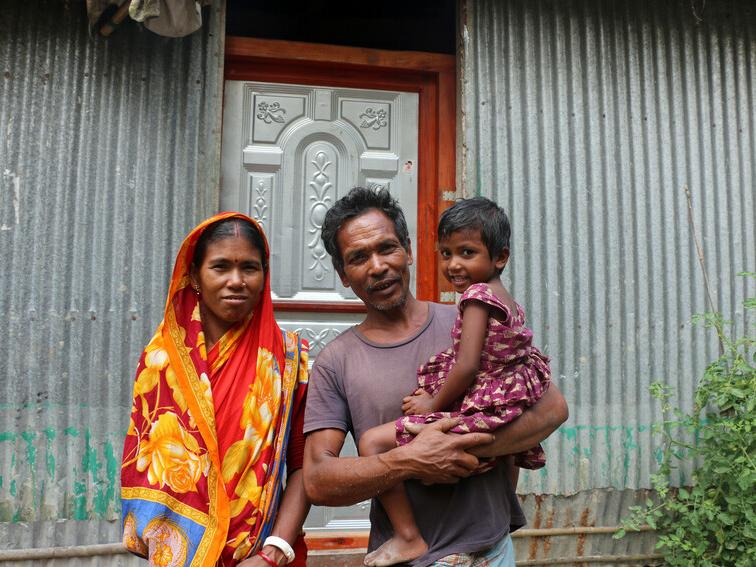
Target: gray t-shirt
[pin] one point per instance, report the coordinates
(357, 384)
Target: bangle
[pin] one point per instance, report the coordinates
(281, 544)
(267, 559)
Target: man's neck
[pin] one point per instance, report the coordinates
(395, 324)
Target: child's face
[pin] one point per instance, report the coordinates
(465, 260)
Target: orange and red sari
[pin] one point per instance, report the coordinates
(203, 460)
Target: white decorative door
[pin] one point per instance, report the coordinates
(289, 152)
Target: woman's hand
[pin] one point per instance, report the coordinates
(421, 402)
(256, 561)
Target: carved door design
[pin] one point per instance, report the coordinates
(289, 152)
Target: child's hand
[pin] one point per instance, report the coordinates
(420, 402)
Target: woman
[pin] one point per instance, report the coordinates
(218, 403)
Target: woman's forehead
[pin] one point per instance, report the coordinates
(233, 246)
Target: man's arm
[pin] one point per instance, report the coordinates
(432, 457)
(528, 430)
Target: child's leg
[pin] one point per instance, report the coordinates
(377, 440)
(407, 543)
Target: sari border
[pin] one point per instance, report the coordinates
(289, 384)
(172, 503)
(211, 545)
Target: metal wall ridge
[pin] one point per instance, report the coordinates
(109, 154)
(586, 120)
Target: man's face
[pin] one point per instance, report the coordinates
(376, 265)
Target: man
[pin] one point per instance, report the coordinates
(359, 380)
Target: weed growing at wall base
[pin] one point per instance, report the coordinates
(713, 522)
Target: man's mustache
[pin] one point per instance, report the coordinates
(385, 282)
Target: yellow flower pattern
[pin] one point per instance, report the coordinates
(258, 420)
(172, 456)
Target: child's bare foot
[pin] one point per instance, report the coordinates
(396, 550)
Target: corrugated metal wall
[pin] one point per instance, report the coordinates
(110, 154)
(585, 120)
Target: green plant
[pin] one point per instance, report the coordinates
(713, 521)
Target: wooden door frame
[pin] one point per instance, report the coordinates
(431, 75)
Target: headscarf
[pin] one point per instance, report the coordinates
(203, 456)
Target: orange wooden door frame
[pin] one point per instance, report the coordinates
(431, 75)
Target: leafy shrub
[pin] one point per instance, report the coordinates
(713, 522)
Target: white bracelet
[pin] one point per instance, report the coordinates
(281, 544)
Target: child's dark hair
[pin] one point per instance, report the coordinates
(229, 228)
(480, 214)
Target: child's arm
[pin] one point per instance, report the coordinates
(474, 326)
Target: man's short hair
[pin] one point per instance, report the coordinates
(358, 201)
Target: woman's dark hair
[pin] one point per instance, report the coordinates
(229, 228)
(358, 201)
(480, 214)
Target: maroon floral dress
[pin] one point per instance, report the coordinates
(513, 375)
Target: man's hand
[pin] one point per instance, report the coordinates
(433, 457)
(419, 403)
(440, 457)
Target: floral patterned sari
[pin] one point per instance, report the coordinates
(203, 459)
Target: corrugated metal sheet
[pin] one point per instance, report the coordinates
(587, 509)
(581, 513)
(585, 120)
(110, 154)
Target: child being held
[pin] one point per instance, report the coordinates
(489, 376)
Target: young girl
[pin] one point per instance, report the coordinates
(489, 376)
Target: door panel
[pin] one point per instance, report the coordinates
(289, 152)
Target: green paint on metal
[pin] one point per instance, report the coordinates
(13, 488)
(608, 449)
(113, 466)
(89, 460)
(80, 501)
(1, 481)
(31, 450)
(72, 431)
(105, 495)
(50, 453)
(31, 459)
(569, 432)
(629, 445)
(50, 462)
(658, 455)
(7, 436)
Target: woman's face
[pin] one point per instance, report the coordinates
(230, 280)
